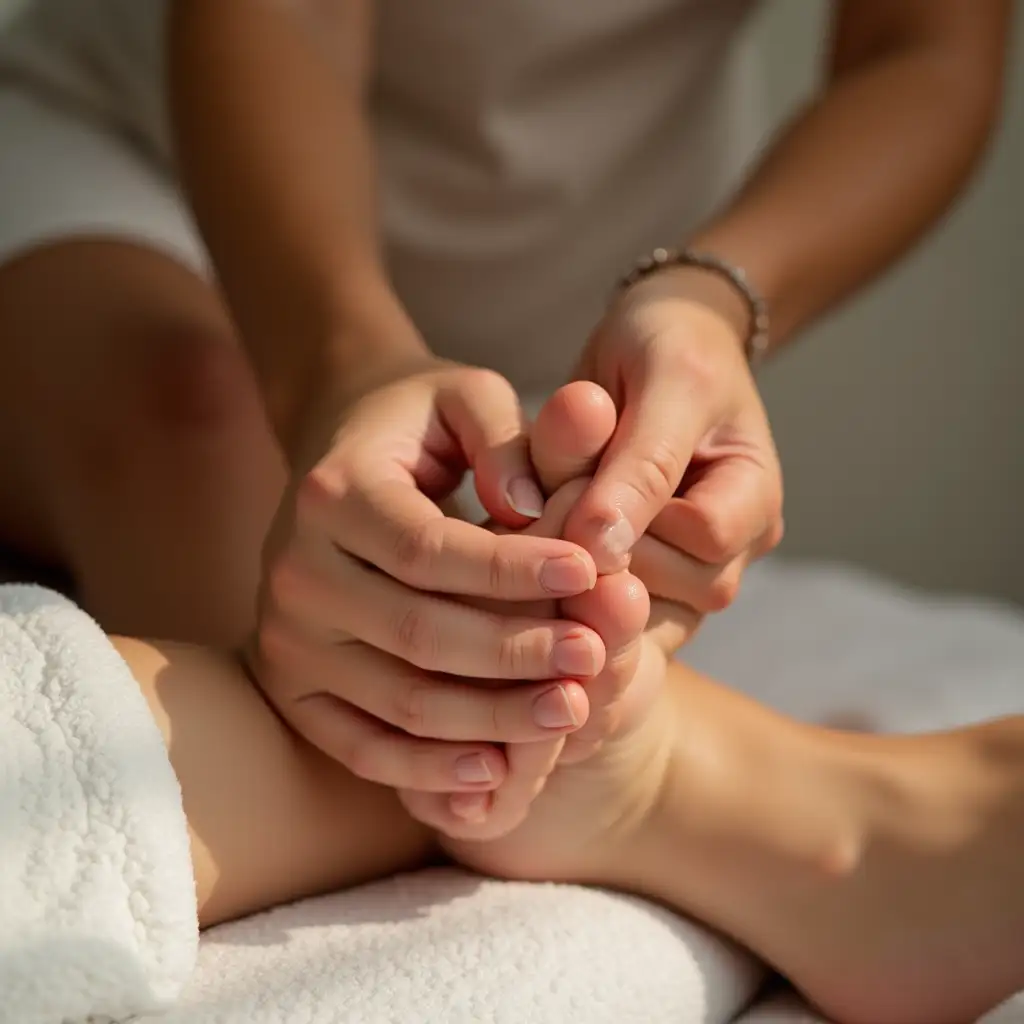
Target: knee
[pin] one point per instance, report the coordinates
(197, 382)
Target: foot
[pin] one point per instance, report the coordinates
(607, 773)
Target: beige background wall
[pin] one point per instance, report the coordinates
(901, 421)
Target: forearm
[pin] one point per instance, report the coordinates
(275, 154)
(912, 95)
(271, 819)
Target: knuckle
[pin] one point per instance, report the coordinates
(502, 571)
(285, 581)
(722, 591)
(775, 535)
(658, 474)
(321, 487)
(362, 758)
(418, 550)
(519, 653)
(410, 710)
(720, 543)
(416, 637)
(488, 383)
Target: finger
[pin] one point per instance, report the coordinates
(436, 633)
(487, 816)
(390, 524)
(530, 765)
(570, 432)
(368, 749)
(726, 512)
(407, 699)
(482, 410)
(675, 576)
(640, 470)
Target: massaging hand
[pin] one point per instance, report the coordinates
(570, 433)
(692, 463)
(565, 816)
(356, 643)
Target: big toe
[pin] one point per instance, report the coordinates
(570, 433)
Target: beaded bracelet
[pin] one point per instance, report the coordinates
(758, 334)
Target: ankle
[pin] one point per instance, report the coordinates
(755, 810)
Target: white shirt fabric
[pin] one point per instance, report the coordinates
(529, 150)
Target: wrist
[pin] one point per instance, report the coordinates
(367, 340)
(709, 286)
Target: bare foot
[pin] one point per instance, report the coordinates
(608, 773)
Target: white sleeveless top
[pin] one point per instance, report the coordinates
(529, 150)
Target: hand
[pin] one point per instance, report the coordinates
(586, 820)
(692, 462)
(355, 638)
(571, 431)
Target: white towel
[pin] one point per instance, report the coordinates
(437, 948)
(97, 903)
(443, 947)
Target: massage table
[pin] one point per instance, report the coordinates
(94, 888)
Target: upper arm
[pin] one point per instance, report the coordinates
(969, 35)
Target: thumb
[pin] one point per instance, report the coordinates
(638, 473)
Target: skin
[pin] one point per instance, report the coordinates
(889, 856)
(700, 478)
(209, 417)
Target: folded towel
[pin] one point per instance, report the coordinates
(97, 902)
(446, 947)
(443, 947)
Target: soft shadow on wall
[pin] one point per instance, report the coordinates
(901, 419)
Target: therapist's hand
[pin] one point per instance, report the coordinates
(692, 462)
(357, 644)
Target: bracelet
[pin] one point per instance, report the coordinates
(758, 334)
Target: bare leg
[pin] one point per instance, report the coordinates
(271, 818)
(883, 875)
(134, 450)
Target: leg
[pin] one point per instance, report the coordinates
(884, 875)
(138, 456)
(271, 818)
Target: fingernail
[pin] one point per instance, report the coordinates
(470, 806)
(574, 656)
(552, 710)
(525, 497)
(472, 769)
(567, 574)
(617, 539)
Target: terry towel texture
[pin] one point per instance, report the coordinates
(97, 903)
(96, 897)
